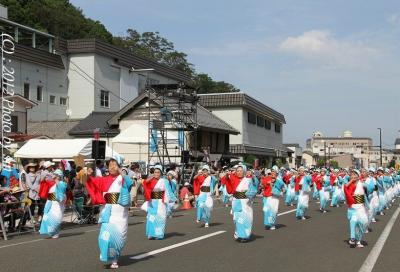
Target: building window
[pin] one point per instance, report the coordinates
(277, 128)
(26, 90)
(39, 93)
(267, 124)
(251, 117)
(14, 123)
(105, 99)
(63, 101)
(260, 121)
(52, 99)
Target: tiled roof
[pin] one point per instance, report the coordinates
(123, 57)
(240, 99)
(38, 56)
(208, 120)
(205, 118)
(397, 142)
(52, 129)
(95, 120)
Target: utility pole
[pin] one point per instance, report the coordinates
(380, 145)
(325, 154)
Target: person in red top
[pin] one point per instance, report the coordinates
(224, 177)
(272, 188)
(357, 215)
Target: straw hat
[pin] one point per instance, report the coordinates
(31, 164)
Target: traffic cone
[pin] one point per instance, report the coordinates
(186, 203)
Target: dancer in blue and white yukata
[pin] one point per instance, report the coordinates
(324, 187)
(303, 185)
(336, 188)
(381, 190)
(113, 192)
(372, 195)
(224, 176)
(273, 186)
(171, 177)
(243, 188)
(158, 194)
(55, 204)
(357, 212)
(204, 187)
(290, 198)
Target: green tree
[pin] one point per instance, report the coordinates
(153, 46)
(334, 164)
(58, 17)
(205, 84)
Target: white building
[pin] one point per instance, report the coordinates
(294, 159)
(260, 127)
(104, 78)
(363, 152)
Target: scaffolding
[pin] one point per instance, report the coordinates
(172, 111)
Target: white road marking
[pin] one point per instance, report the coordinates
(22, 243)
(42, 239)
(154, 252)
(283, 213)
(373, 256)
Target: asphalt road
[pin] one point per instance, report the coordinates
(316, 244)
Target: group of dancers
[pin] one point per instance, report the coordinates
(366, 192)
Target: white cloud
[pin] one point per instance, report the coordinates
(322, 47)
(394, 19)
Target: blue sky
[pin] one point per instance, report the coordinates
(326, 65)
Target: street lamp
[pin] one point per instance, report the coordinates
(329, 153)
(324, 152)
(380, 145)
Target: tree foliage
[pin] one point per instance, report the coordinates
(153, 46)
(62, 19)
(58, 17)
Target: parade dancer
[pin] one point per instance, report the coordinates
(244, 189)
(323, 183)
(54, 191)
(356, 213)
(113, 192)
(314, 176)
(224, 177)
(171, 175)
(290, 198)
(158, 194)
(303, 184)
(273, 186)
(336, 188)
(381, 191)
(203, 187)
(373, 199)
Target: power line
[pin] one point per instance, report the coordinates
(98, 83)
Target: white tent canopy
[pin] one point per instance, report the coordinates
(59, 149)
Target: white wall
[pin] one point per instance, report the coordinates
(52, 80)
(234, 117)
(81, 86)
(129, 86)
(260, 136)
(107, 76)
